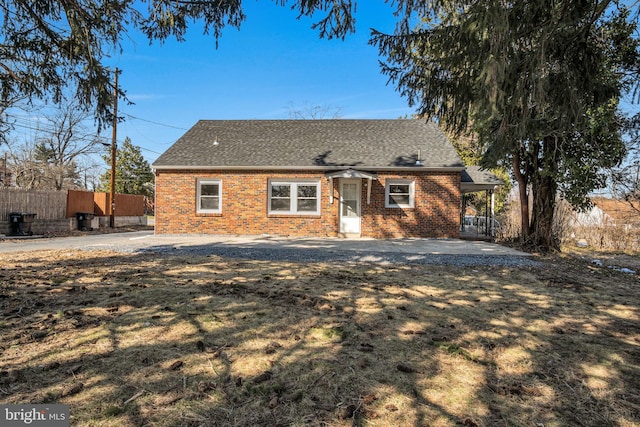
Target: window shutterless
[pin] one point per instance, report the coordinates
(294, 197)
(399, 193)
(209, 196)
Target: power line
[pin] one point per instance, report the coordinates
(39, 125)
(87, 138)
(155, 123)
(151, 151)
(36, 125)
(131, 126)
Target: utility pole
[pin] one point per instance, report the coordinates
(112, 213)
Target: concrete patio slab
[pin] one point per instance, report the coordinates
(146, 239)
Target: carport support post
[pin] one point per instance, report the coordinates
(463, 212)
(493, 213)
(487, 214)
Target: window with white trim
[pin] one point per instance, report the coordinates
(399, 193)
(209, 198)
(294, 197)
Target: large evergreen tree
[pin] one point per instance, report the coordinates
(133, 173)
(538, 81)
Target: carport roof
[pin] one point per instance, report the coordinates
(476, 179)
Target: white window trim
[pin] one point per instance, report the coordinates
(199, 184)
(389, 183)
(293, 194)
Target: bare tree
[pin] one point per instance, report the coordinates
(66, 140)
(28, 172)
(62, 145)
(314, 112)
(626, 182)
(625, 179)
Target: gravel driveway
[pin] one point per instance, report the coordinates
(379, 251)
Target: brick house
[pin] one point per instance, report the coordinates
(368, 178)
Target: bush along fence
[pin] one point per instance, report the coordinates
(25, 212)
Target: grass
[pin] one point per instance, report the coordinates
(143, 340)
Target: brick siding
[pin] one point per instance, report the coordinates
(245, 198)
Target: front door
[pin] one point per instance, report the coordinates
(350, 206)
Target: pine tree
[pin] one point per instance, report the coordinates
(538, 82)
(133, 173)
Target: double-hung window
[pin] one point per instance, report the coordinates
(399, 193)
(294, 197)
(209, 198)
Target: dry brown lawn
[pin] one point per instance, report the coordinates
(148, 340)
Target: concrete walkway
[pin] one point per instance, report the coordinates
(146, 240)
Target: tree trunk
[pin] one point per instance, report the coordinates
(544, 202)
(545, 190)
(523, 186)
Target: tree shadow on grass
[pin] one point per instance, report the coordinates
(181, 340)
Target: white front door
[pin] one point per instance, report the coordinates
(350, 206)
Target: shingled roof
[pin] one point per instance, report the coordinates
(475, 178)
(311, 144)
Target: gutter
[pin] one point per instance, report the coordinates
(315, 168)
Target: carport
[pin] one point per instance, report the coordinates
(474, 180)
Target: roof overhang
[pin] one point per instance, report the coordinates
(474, 179)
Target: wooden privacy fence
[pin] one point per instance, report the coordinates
(126, 204)
(52, 205)
(45, 204)
(79, 201)
(99, 203)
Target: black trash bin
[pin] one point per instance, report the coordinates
(21, 223)
(84, 220)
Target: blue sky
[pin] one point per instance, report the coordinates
(274, 63)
